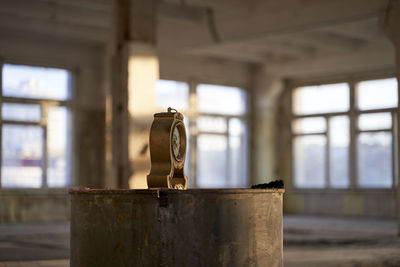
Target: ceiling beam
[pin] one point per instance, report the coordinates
(56, 11)
(232, 55)
(269, 19)
(58, 30)
(367, 30)
(373, 57)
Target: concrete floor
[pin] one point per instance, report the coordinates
(321, 241)
(308, 241)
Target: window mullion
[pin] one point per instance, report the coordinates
(394, 151)
(193, 132)
(228, 160)
(327, 154)
(45, 113)
(1, 122)
(353, 173)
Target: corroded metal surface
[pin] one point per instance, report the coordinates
(195, 227)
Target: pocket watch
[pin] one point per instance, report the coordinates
(167, 151)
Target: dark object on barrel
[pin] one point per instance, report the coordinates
(273, 184)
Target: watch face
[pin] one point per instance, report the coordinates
(176, 143)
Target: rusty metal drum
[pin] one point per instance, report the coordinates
(194, 227)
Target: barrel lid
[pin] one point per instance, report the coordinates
(74, 191)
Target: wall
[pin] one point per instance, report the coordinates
(34, 205)
(84, 60)
(369, 203)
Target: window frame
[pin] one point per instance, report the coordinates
(193, 113)
(353, 114)
(44, 104)
(244, 117)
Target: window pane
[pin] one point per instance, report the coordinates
(237, 127)
(212, 161)
(321, 99)
(21, 112)
(221, 99)
(35, 82)
(339, 135)
(237, 153)
(22, 148)
(172, 94)
(375, 121)
(211, 124)
(309, 161)
(377, 94)
(375, 159)
(58, 165)
(309, 125)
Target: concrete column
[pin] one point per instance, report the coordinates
(390, 24)
(265, 95)
(134, 74)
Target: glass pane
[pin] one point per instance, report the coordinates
(221, 99)
(309, 161)
(21, 112)
(211, 124)
(237, 153)
(58, 165)
(22, 151)
(237, 127)
(212, 161)
(339, 134)
(375, 159)
(321, 99)
(35, 82)
(172, 94)
(375, 121)
(309, 125)
(377, 94)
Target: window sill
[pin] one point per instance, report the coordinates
(34, 191)
(339, 190)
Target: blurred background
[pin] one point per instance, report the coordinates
(299, 90)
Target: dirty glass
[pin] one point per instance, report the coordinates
(58, 144)
(22, 155)
(309, 161)
(218, 99)
(375, 121)
(321, 99)
(172, 94)
(35, 82)
(212, 162)
(339, 134)
(309, 125)
(237, 176)
(211, 124)
(377, 94)
(21, 112)
(375, 159)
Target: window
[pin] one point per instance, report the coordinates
(375, 132)
(217, 127)
(35, 127)
(222, 136)
(329, 132)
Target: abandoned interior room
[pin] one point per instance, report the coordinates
(303, 91)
